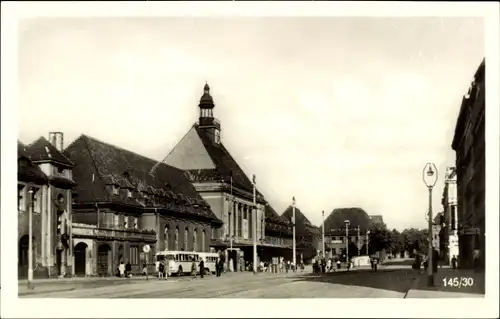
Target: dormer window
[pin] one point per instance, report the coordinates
(125, 223)
(60, 170)
(129, 193)
(217, 137)
(116, 190)
(136, 223)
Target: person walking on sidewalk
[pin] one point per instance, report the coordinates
(454, 262)
(202, 267)
(145, 271)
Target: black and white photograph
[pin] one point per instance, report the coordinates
(166, 152)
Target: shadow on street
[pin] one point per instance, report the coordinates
(386, 279)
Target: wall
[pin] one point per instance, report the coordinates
(181, 224)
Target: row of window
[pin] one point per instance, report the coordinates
(353, 238)
(196, 245)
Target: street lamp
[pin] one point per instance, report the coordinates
(293, 225)
(30, 240)
(254, 223)
(430, 177)
(323, 232)
(347, 222)
(367, 240)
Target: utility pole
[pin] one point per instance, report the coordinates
(323, 232)
(293, 224)
(254, 223)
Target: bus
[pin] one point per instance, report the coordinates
(177, 262)
(210, 260)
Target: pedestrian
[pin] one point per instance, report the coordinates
(202, 267)
(454, 262)
(128, 270)
(161, 270)
(145, 271)
(193, 268)
(121, 269)
(339, 265)
(476, 258)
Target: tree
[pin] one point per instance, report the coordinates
(414, 239)
(379, 239)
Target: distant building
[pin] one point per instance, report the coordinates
(450, 222)
(44, 187)
(335, 236)
(125, 201)
(469, 145)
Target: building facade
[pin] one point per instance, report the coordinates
(124, 202)
(469, 145)
(336, 239)
(44, 188)
(449, 231)
(224, 185)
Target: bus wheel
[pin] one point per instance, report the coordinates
(206, 271)
(179, 272)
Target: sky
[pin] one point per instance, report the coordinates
(336, 111)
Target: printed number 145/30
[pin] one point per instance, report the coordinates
(458, 282)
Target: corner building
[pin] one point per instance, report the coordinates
(44, 188)
(124, 201)
(469, 146)
(224, 185)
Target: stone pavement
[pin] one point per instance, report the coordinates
(476, 289)
(354, 284)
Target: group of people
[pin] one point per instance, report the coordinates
(324, 265)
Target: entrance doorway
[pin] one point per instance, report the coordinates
(80, 259)
(59, 261)
(103, 260)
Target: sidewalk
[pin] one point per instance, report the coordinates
(468, 284)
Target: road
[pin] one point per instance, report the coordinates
(388, 283)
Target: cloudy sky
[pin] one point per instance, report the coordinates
(336, 111)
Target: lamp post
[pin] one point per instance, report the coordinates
(367, 240)
(323, 232)
(254, 224)
(30, 240)
(430, 177)
(347, 222)
(293, 225)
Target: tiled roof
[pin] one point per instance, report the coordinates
(356, 216)
(302, 224)
(99, 166)
(27, 171)
(275, 222)
(42, 150)
(225, 165)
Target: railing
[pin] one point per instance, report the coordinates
(79, 230)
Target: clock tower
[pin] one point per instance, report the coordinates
(207, 121)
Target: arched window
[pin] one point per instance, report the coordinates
(203, 241)
(176, 238)
(186, 239)
(166, 238)
(195, 246)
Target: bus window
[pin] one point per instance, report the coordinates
(160, 257)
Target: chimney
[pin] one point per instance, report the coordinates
(57, 139)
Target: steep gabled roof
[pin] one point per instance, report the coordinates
(42, 150)
(275, 222)
(27, 171)
(99, 164)
(225, 164)
(302, 224)
(356, 216)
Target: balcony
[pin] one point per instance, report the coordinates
(91, 231)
